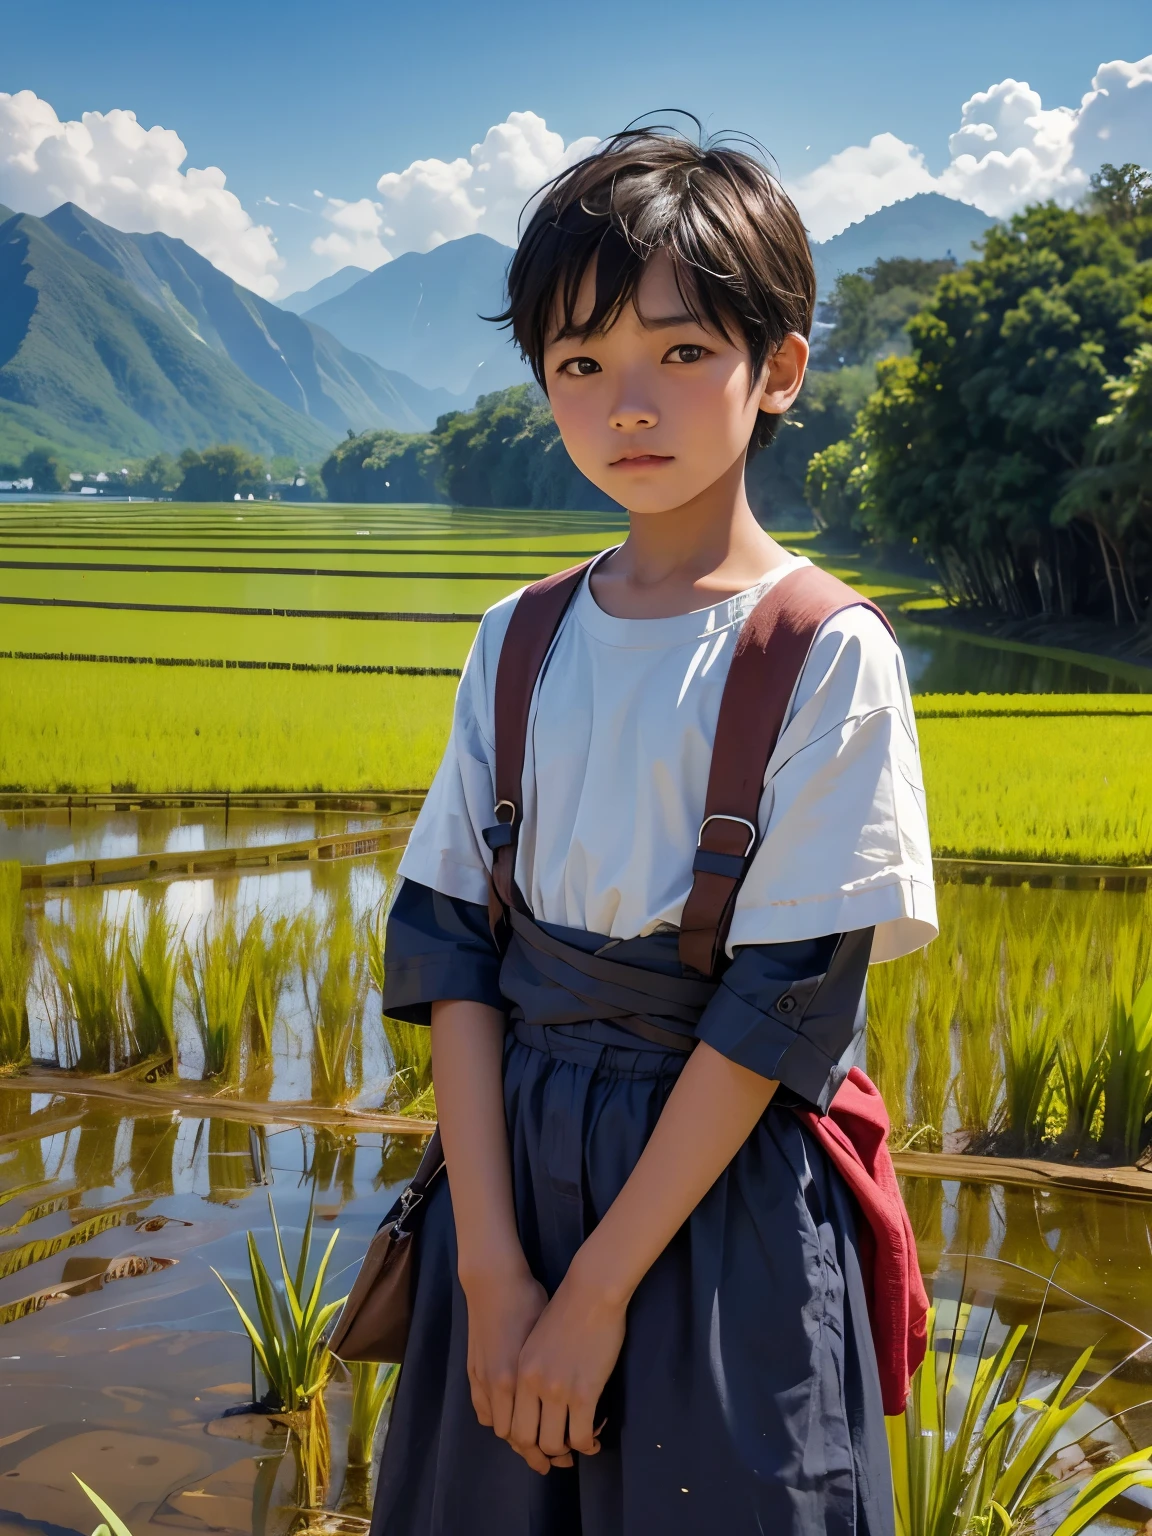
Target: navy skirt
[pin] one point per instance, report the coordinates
(746, 1397)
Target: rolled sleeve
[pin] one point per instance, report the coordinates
(437, 949)
(793, 1012)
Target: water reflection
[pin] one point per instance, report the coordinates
(59, 834)
(948, 661)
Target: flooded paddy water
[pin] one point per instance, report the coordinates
(122, 1358)
(127, 1374)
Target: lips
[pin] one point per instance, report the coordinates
(642, 460)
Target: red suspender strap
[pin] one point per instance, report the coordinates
(766, 665)
(528, 639)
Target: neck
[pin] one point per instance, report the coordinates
(712, 542)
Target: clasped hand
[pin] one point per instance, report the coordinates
(537, 1367)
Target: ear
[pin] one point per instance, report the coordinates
(784, 374)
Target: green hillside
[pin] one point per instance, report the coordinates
(85, 361)
(301, 364)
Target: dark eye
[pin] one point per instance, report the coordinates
(580, 367)
(688, 352)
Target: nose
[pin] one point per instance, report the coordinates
(632, 414)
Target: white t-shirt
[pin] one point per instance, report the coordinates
(616, 769)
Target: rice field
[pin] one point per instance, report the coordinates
(166, 648)
(1025, 1028)
(77, 727)
(260, 986)
(73, 726)
(1070, 787)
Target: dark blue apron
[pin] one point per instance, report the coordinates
(746, 1397)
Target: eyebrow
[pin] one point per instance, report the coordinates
(666, 322)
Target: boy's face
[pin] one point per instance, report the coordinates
(657, 409)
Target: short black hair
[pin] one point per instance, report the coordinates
(738, 245)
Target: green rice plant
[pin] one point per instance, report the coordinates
(217, 971)
(111, 1525)
(1128, 1075)
(970, 1452)
(16, 960)
(1081, 999)
(334, 976)
(152, 966)
(375, 929)
(288, 1335)
(892, 998)
(288, 1338)
(980, 1078)
(1029, 1030)
(273, 945)
(372, 1387)
(410, 1052)
(932, 1075)
(86, 957)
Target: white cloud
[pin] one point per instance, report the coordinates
(1009, 150)
(356, 236)
(432, 201)
(130, 177)
(858, 181)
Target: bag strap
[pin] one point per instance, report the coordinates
(531, 630)
(766, 666)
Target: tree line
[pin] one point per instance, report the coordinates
(1013, 442)
(216, 473)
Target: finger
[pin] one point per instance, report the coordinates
(553, 1436)
(562, 1461)
(582, 1435)
(525, 1430)
(501, 1397)
(481, 1401)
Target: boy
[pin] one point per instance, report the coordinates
(639, 1303)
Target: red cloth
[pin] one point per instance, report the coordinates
(854, 1134)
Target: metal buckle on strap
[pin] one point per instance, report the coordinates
(742, 820)
(503, 834)
(730, 865)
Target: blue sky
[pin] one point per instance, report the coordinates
(292, 98)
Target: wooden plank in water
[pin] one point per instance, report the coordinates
(1034, 1172)
(206, 863)
(152, 1098)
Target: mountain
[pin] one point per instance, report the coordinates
(89, 364)
(326, 288)
(421, 314)
(301, 364)
(926, 227)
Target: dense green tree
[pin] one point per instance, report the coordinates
(504, 452)
(382, 466)
(1113, 492)
(1122, 193)
(158, 476)
(823, 414)
(45, 469)
(870, 309)
(970, 444)
(219, 473)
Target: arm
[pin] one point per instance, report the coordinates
(749, 1044)
(571, 1351)
(504, 1299)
